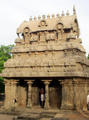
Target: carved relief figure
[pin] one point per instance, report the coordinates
(50, 36)
(26, 34)
(59, 30)
(34, 37)
(42, 36)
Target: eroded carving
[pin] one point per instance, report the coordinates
(43, 23)
(50, 36)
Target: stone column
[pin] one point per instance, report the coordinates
(80, 89)
(67, 94)
(70, 94)
(13, 92)
(7, 101)
(10, 92)
(77, 94)
(29, 82)
(83, 99)
(64, 94)
(46, 82)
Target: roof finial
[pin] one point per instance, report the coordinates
(48, 16)
(74, 10)
(58, 15)
(39, 17)
(34, 17)
(53, 16)
(43, 16)
(67, 13)
(30, 18)
(62, 13)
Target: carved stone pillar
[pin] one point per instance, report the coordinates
(70, 94)
(10, 92)
(77, 94)
(13, 91)
(29, 104)
(83, 94)
(67, 94)
(80, 89)
(64, 95)
(7, 102)
(46, 82)
(85, 83)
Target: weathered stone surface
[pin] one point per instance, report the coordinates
(48, 49)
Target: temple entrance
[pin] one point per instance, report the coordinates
(37, 87)
(55, 94)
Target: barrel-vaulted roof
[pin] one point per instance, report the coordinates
(49, 23)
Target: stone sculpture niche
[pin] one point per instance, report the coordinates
(26, 35)
(59, 30)
(50, 35)
(34, 37)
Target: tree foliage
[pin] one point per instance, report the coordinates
(88, 56)
(5, 54)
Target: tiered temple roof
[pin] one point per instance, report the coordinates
(48, 47)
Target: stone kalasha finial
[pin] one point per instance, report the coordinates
(53, 16)
(39, 17)
(67, 13)
(43, 16)
(48, 16)
(34, 17)
(63, 13)
(74, 10)
(30, 18)
(58, 15)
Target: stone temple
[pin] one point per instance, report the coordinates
(48, 54)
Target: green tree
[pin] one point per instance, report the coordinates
(5, 54)
(88, 56)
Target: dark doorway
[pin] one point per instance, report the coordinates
(37, 86)
(55, 94)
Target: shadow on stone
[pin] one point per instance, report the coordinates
(60, 118)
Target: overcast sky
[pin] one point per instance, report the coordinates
(14, 12)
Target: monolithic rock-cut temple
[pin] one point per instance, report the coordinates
(48, 54)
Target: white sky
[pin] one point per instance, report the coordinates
(14, 12)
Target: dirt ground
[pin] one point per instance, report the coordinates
(48, 115)
(6, 117)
